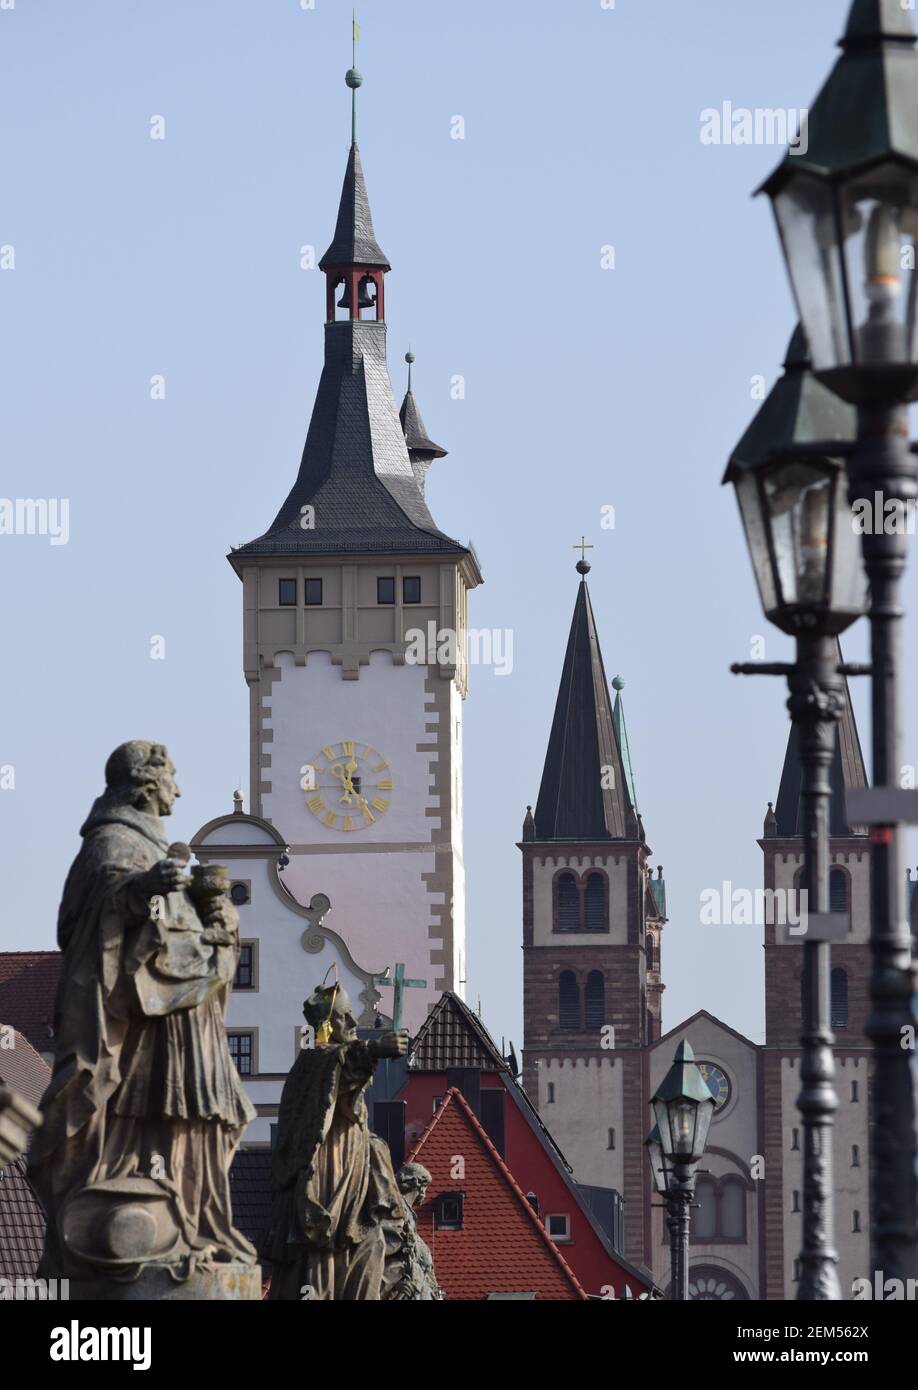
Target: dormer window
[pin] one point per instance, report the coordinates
(448, 1209)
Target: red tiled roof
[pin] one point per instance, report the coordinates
(502, 1246)
(28, 985)
(21, 1068)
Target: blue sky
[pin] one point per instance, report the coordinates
(585, 388)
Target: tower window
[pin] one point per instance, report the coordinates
(796, 1206)
(411, 588)
(313, 593)
(838, 890)
(385, 589)
(239, 893)
(551, 1093)
(856, 1222)
(568, 903)
(839, 998)
(611, 1141)
(568, 1000)
(241, 1050)
(594, 1000)
(706, 1216)
(733, 1210)
(855, 1156)
(245, 970)
(286, 592)
(795, 1140)
(594, 903)
(854, 1094)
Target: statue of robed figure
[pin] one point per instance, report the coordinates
(145, 1107)
(333, 1184)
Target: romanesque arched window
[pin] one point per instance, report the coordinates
(838, 1015)
(733, 1209)
(595, 913)
(568, 903)
(595, 1000)
(838, 890)
(568, 1000)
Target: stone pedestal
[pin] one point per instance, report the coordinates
(209, 1283)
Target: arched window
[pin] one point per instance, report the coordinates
(594, 1000)
(568, 903)
(594, 903)
(649, 952)
(568, 1000)
(838, 1014)
(838, 890)
(733, 1209)
(705, 1223)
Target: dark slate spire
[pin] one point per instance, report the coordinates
(357, 490)
(354, 242)
(421, 449)
(847, 771)
(585, 792)
(355, 471)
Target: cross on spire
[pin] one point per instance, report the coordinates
(583, 564)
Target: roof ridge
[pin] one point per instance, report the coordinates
(454, 1094)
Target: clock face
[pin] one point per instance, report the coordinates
(348, 785)
(718, 1084)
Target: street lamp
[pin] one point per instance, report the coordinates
(683, 1107)
(792, 501)
(846, 206)
(794, 505)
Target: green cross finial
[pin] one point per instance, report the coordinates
(399, 985)
(352, 77)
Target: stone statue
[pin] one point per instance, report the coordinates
(332, 1178)
(409, 1264)
(18, 1118)
(145, 1107)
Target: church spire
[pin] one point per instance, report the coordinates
(847, 770)
(587, 790)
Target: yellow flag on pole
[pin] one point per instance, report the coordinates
(356, 34)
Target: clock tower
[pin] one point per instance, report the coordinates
(355, 713)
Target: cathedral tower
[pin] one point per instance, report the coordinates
(592, 919)
(849, 900)
(355, 737)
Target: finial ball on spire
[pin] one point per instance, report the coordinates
(409, 357)
(353, 78)
(618, 683)
(583, 567)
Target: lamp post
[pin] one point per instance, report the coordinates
(661, 1186)
(683, 1106)
(846, 206)
(793, 504)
